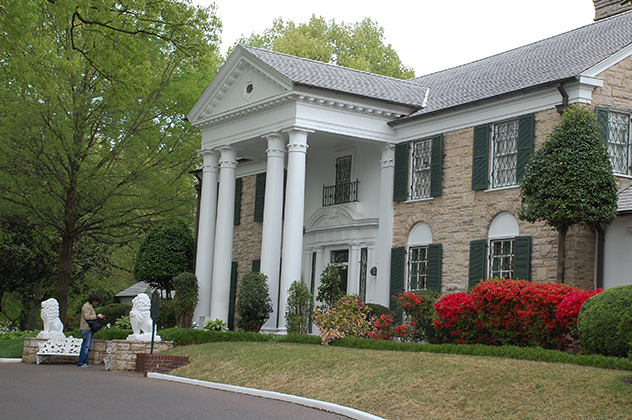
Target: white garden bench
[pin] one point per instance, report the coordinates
(58, 347)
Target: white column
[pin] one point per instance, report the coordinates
(220, 293)
(380, 291)
(273, 224)
(206, 234)
(294, 216)
(353, 275)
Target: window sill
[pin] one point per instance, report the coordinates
(510, 187)
(417, 200)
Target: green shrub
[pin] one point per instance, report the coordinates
(421, 313)
(330, 289)
(113, 311)
(186, 299)
(377, 310)
(217, 325)
(604, 322)
(253, 305)
(298, 314)
(166, 314)
(123, 323)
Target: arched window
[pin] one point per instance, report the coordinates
(424, 260)
(504, 254)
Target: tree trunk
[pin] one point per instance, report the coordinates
(64, 276)
(561, 255)
(31, 305)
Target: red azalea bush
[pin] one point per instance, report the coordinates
(521, 313)
(512, 312)
(383, 328)
(457, 315)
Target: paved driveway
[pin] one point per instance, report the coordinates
(67, 392)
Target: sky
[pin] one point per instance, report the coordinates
(428, 35)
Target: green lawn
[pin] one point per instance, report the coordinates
(11, 348)
(406, 385)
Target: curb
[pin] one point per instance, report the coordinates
(307, 402)
(10, 360)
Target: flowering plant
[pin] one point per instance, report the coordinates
(457, 315)
(346, 317)
(383, 328)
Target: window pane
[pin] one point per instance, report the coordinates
(504, 153)
(417, 268)
(618, 141)
(502, 259)
(420, 170)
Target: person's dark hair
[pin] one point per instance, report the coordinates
(93, 298)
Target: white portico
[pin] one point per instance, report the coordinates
(320, 152)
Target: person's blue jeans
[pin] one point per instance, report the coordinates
(86, 345)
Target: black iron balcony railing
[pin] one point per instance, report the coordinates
(346, 192)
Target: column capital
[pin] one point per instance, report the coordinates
(276, 144)
(228, 158)
(211, 159)
(388, 156)
(298, 139)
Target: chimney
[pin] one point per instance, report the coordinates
(607, 8)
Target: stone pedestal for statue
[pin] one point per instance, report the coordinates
(53, 327)
(140, 318)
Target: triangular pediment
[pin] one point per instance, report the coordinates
(241, 82)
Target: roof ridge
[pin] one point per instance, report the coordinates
(601, 21)
(295, 57)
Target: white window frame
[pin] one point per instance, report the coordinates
(504, 153)
(420, 169)
(502, 231)
(419, 238)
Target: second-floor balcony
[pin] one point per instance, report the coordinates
(344, 192)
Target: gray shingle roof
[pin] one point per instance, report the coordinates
(551, 60)
(311, 73)
(135, 290)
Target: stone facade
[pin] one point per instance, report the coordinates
(461, 215)
(247, 235)
(607, 8)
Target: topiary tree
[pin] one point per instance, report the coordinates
(330, 289)
(253, 305)
(569, 179)
(298, 313)
(186, 299)
(168, 250)
(604, 322)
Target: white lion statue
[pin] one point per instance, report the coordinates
(53, 328)
(140, 318)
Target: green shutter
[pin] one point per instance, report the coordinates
(477, 262)
(260, 195)
(526, 132)
(256, 265)
(602, 121)
(436, 165)
(400, 187)
(237, 219)
(398, 262)
(522, 258)
(232, 296)
(435, 253)
(480, 158)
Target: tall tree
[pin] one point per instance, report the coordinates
(93, 141)
(360, 46)
(569, 179)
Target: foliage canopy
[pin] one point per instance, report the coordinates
(93, 141)
(359, 46)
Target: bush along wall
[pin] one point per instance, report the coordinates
(496, 312)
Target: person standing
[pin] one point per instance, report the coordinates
(87, 313)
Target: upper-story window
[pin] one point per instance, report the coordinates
(615, 132)
(418, 167)
(421, 154)
(504, 153)
(501, 152)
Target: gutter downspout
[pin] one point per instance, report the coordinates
(600, 239)
(562, 108)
